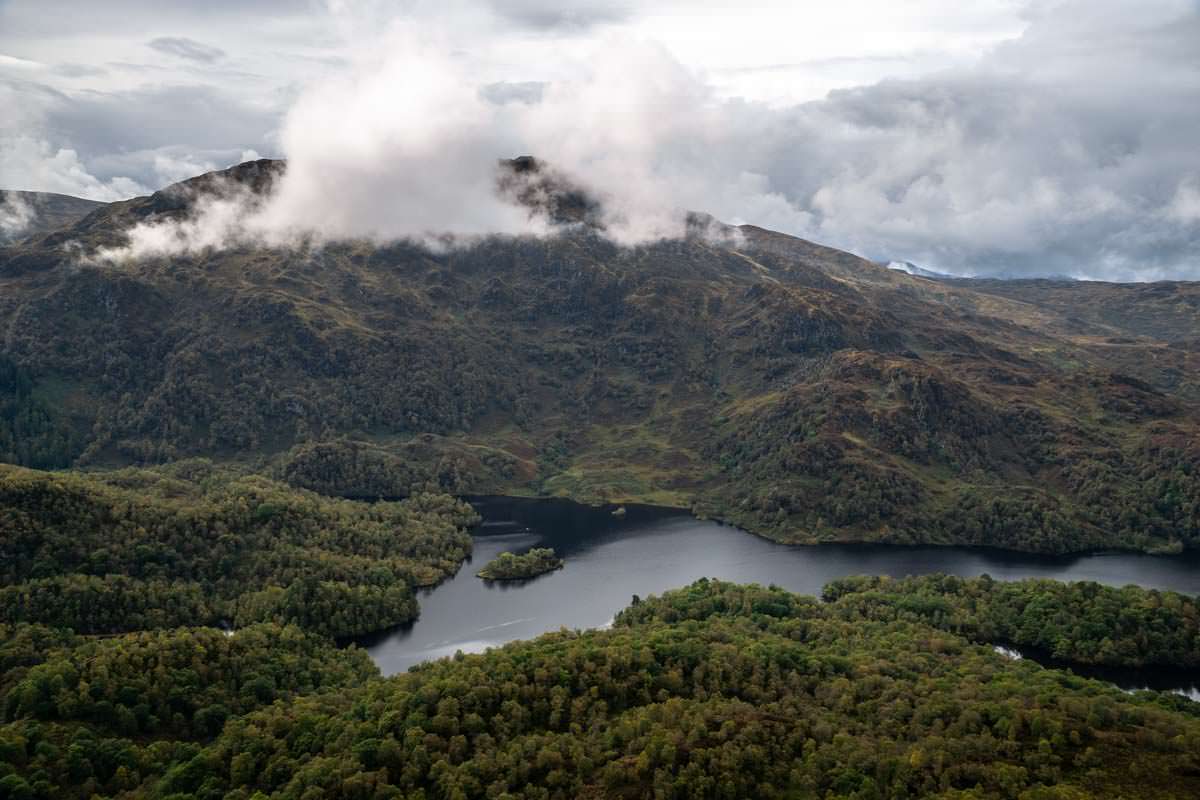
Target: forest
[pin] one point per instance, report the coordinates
(715, 690)
(193, 544)
(1082, 622)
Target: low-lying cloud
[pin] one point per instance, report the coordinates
(16, 215)
(406, 145)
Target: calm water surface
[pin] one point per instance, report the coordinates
(649, 550)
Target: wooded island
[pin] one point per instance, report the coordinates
(509, 567)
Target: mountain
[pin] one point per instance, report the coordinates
(29, 213)
(796, 390)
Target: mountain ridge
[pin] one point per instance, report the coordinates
(799, 391)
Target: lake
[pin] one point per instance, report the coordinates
(649, 550)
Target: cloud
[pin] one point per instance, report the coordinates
(400, 145)
(114, 145)
(513, 92)
(159, 115)
(1185, 207)
(403, 145)
(183, 47)
(1068, 150)
(72, 70)
(13, 63)
(560, 14)
(219, 220)
(16, 215)
(29, 161)
(34, 164)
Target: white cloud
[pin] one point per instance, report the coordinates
(34, 164)
(404, 145)
(15, 216)
(172, 168)
(111, 146)
(1185, 206)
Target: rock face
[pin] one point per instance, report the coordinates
(794, 389)
(547, 193)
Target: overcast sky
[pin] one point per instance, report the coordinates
(993, 137)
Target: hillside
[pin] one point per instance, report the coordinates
(796, 390)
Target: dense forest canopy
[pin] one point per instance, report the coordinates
(1082, 622)
(798, 391)
(712, 691)
(196, 545)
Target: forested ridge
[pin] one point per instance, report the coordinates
(795, 390)
(1082, 622)
(193, 544)
(712, 691)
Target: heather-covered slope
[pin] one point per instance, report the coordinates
(797, 390)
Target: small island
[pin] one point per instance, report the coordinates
(509, 567)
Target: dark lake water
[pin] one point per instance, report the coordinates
(650, 550)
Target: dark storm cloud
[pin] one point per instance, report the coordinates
(182, 47)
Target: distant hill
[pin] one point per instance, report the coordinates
(794, 389)
(913, 269)
(28, 213)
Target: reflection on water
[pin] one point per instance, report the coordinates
(649, 550)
